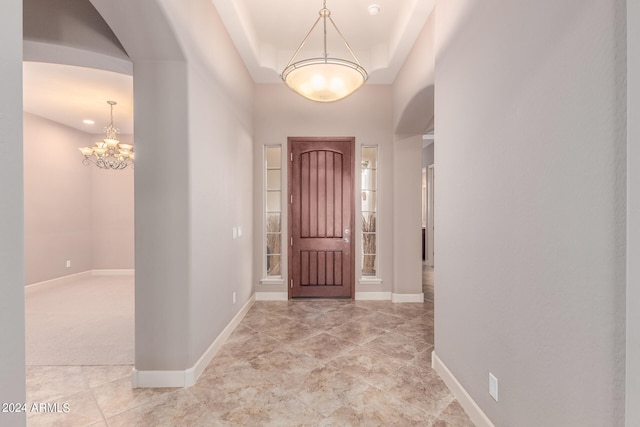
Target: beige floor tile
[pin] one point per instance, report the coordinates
(223, 364)
(78, 409)
(97, 375)
(259, 319)
(307, 362)
(357, 331)
(286, 366)
(420, 387)
(423, 359)
(289, 332)
(179, 408)
(398, 346)
(407, 310)
(367, 365)
(383, 320)
(323, 346)
(241, 332)
(328, 305)
(420, 328)
(289, 309)
(327, 389)
(336, 317)
(453, 416)
(374, 408)
(230, 384)
(48, 383)
(271, 406)
(249, 347)
(117, 396)
(321, 321)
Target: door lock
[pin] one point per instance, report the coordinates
(347, 235)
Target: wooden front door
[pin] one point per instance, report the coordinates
(321, 217)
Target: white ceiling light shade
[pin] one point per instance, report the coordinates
(324, 79)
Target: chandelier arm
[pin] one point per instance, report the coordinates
(303, 42)
(344, 41)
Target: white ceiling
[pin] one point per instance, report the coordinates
(68, 95)
(266, 33)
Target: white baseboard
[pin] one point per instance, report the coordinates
(77, 276)
(386, 296)
(57, 281)
(373, 296)
(472, 409)
(188, 377)
(366, 281)
(407, 297)
(272, 296)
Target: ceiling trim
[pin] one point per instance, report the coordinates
(52, 53)
(265, 61)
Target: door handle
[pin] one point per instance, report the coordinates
(347, 235)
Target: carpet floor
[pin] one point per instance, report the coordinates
(89, 321)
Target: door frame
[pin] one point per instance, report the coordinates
(430, 215)
(352, 259)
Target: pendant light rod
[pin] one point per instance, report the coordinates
(323, 13)
(343, 39)
(112, 103)
(304, 41)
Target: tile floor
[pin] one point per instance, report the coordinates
(314, 363)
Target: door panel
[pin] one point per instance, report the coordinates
(321, 213)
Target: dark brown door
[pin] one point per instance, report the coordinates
(321, 217)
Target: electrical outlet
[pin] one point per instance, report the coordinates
(234, 232)
(234, 297)
(493, 386)
(239, 231)
(68, 263)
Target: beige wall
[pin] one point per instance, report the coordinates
(12, 341)
(112, 214)
(57, 198)
(194, 158)
(72, 212)
(407, 216)
(530, 207)
(632, 390)
(413, 91)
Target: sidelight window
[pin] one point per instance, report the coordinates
(369, 210)
(273, 210)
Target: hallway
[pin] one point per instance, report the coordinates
(314, 362)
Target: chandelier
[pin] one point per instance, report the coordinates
(109, 153)
(324, 79)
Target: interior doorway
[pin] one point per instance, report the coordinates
(430, 215)
(321, 217)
